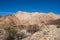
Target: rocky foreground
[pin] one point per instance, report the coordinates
(30, 26)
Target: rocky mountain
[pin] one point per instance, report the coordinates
(28, 18)
(30, 26)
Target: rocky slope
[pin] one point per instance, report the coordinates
(30, 26)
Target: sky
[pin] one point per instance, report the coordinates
(12, 6)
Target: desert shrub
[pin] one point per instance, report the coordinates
(11, 33)
(33, 28)
(21, 26)
(20, 36)
(58, 26)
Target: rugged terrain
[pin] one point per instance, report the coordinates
(30, 26)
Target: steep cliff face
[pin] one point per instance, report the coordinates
(30, 26)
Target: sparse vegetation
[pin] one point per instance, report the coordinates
(21, 26)
(21, 36)
(11, 33)
(58, 26)
(33, 28)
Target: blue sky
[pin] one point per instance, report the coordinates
(12, 6)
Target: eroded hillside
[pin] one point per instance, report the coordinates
(30, 26)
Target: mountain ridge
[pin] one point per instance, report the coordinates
(28, 18)
(30, 26)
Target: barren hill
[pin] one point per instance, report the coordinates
(30, 26)
(28, 18)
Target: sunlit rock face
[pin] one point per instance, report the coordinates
(28, 18)
(35, 17)
(30, 26)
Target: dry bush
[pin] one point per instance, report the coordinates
(20, 36)
(12, 32)
(58, 26)
(33, 28)
(21, 27)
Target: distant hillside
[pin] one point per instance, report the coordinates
(30, 26)
(28, 18)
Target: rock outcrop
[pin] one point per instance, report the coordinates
(30, 26)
